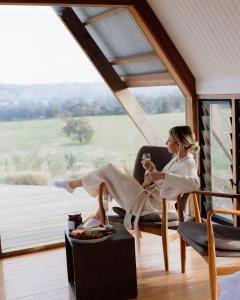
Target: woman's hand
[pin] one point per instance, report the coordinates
(148, 165)
(147, 183)
(155, 176)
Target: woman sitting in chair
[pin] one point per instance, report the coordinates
(177, 177)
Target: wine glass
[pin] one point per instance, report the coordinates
(146, 161)
(106, 205)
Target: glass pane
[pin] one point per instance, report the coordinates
(34, 147)
(164, 107)
(127, 40)
(217, 150)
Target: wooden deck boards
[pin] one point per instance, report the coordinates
(36, 215)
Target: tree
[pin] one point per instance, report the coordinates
(78, 129)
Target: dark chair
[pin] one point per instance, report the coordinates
(211, 240)
(152, 223)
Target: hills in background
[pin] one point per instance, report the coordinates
(51, 92)
(34, 101)
(64, 91)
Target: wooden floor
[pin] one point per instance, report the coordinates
(36, 215)
(42, 276)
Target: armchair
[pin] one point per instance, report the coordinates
(211, 240)
(153, 223)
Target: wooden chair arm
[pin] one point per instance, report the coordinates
(103, 189)
(216, 194)
(196, 207)
(211, 240)
(222, 211)
(236, 198)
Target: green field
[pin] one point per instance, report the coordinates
(39, 150)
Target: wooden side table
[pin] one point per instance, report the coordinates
(105, 270)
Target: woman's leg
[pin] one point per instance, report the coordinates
(122, 187)
(70, 186)
(75, 183)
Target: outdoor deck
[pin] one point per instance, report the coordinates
(36, 215)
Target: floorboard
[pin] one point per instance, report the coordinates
(43, 276)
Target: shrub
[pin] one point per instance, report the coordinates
(78, 129)
(50, 162)
(70, 160)
(27, 178)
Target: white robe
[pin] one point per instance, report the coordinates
(181, 177)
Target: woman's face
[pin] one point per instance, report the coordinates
(172, 145)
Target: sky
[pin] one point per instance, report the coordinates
(37, 48)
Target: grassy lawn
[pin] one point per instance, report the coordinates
(39, 145)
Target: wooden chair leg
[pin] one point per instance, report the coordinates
(183, 255)
(212, 257)
(101, 191)
(139, 233)
(213, 281)
(165, 233)
(165, 250)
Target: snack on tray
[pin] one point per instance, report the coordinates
(90, 233)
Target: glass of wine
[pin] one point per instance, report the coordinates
(147, 161)
(106, 205)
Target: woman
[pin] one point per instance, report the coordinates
(178, 176)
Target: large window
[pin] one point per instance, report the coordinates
(164, 107)
(218, 137)
(59, 120)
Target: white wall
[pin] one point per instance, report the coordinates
(207, 35)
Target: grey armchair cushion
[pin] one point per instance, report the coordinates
(153, 217)
(149, 218)
(145, 221)
(227, 238)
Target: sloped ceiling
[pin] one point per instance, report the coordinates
(207, 35)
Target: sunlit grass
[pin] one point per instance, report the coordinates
(38, 147)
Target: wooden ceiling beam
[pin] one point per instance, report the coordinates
(170, 57)
(160, 79)
(138, 116)
(104, 15)
(135, 59)
(163, 45)
(118, 87)
(71, 3)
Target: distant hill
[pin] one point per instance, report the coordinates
(63, 91)
(44, 101)
(52, 92)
